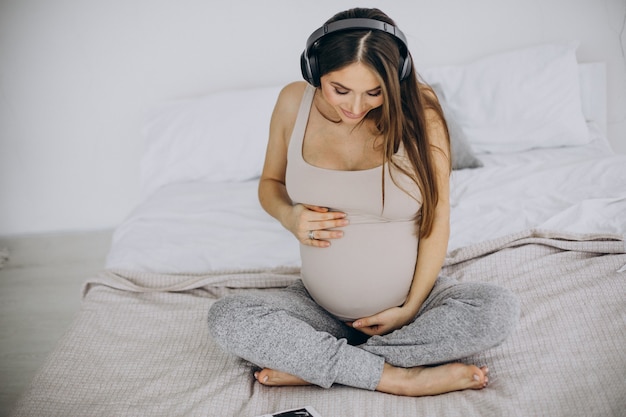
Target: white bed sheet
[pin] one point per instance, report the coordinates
(573, 189)
(199, 227)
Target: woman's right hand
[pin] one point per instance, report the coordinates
(314, 225)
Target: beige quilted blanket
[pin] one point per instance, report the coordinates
(139, 346)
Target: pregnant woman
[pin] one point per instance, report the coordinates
(357, 168)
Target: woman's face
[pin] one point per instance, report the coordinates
(352, 91)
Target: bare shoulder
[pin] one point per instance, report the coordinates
(432, 106)
(294, 90)
(428, 93)
(286, 110)
(290, 96)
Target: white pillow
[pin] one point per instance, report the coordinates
(518, 100)
(220, 137)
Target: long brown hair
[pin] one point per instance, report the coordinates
(401, 118)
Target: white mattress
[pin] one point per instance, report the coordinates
(199, 227)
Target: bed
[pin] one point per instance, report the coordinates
(538, 206)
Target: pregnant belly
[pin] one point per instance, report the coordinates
(368, 270)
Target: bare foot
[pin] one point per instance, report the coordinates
(413, 382)
(419, 381)
(276, 378)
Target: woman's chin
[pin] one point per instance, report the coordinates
(351, 118)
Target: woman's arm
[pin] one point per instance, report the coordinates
(432, 249)
(299, 219)
(272, 191)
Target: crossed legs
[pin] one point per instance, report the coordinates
(297, 342)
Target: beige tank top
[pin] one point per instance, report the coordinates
(371, 267)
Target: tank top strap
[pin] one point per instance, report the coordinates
(299, 128)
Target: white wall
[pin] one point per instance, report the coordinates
(76, 75)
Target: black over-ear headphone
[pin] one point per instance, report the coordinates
(309, 60)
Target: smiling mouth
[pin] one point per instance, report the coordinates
(351, 115)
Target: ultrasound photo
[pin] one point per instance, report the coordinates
(307, 411)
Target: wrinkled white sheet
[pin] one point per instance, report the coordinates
(201, 227)
(574, 189)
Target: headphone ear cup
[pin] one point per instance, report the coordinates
(315, 70)
(405, 67)
(305, 68)
(309, 68)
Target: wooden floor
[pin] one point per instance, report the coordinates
(39, 295)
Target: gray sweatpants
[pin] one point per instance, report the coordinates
(287, 331)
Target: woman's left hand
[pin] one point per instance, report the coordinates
(384, 322)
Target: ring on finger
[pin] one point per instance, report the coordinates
(311, 236)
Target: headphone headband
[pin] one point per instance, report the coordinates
(357, 23)
(309, 60)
